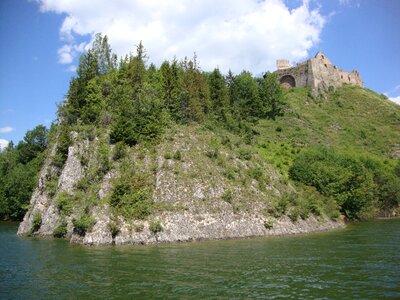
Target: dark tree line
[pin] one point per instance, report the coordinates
(138, 100)
(19, 166)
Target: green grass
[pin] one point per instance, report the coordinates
(249, 170)
(351, 118)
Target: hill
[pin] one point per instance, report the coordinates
(145, 155)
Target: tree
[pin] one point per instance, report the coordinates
(171, 76)
(244, 95)
(218, 93)
(195, 98)
(271, 95)
(102, 51)
(136, 69)
(19, 167)
(142, 120)
(35, 141)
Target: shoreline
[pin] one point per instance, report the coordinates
(183, 228)
(281, 232)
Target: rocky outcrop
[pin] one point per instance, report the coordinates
(191, 193)
(186, 227)
(42, 203)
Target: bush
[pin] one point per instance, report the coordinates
(227, 196)
(61, 230)
(213, 148)
(131, 196)
(63, 143)
(279, 208)
(37, 222)
(51, 186)
(155, 227)
(114, 229)
(256, 173)
(103, 154)
(83, 224)
(167, 155)
(177, 155)
(359, 184)
(245, 153)
(268, 224)
(64, 204)
(119, 151)
(294, 214)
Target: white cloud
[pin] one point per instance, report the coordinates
(71, 68)
(3, 144)
(65, 55)
(395, 99)
(391, 94)
(7, 129)
(355, 3)
(236, 34)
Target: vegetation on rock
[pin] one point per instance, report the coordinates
(257, 146)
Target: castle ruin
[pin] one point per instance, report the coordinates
(317, 72)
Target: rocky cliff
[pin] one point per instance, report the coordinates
(200, 186)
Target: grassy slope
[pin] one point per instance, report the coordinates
(217, 171)
(352, 119)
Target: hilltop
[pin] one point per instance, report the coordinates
(144, 155)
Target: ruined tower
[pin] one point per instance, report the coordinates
(318, 73)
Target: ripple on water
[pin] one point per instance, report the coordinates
(360, 261)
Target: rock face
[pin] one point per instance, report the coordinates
(197, 196)
(42, 203)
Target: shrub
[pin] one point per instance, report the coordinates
(64, 204)
(245, 153)
(213, 148)
(359, 184)
(227, 196)
(83, 184)
(114, 229)
(51, 186)
(155, 227)
(83, 224)
(103, 154)
(294, 214)
(167, 155)
(268, 224)
(63, 143)
(61, 230)
(37, 222)
(177, 155)
(230, 173)
(131, 196)
(256, 173)
(119, 151)
(279, 207)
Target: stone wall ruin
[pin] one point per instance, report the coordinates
(318, 73)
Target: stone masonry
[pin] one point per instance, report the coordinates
(318, 73)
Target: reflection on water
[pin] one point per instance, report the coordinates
(361, 261)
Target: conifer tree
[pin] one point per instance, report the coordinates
(218, 93)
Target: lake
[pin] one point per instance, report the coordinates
(360, 261)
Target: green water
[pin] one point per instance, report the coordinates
(361, 261)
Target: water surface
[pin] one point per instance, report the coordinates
(360, 261)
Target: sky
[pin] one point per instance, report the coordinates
(41, 41)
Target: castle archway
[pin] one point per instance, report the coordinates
(287, 81)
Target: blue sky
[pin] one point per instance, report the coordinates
(42, 41)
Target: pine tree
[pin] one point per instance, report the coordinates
(271, 95)
(219, 93)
